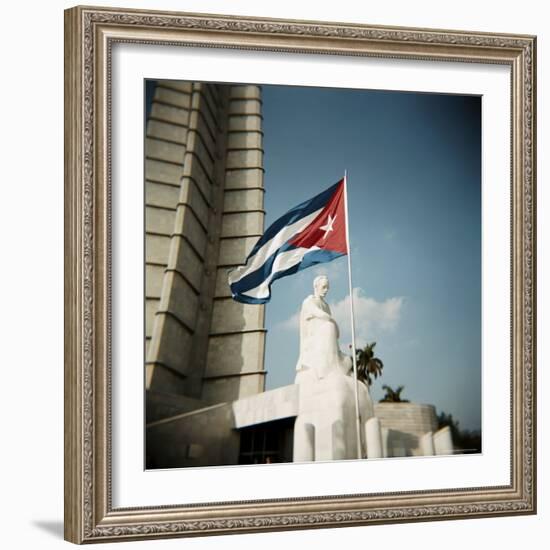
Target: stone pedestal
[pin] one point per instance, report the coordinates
(443, 441)
(427, 444)
(385, 436)
(373, 432)
(325, 427)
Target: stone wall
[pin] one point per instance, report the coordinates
(403, 425)
(204, 212)
(237, 337)
(204, 437)
(210, 436)
(184, 196)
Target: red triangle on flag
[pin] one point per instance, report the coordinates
(328, 230)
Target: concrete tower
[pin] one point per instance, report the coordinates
(204, 212)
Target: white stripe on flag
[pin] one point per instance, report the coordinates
(283, 261)
(270, 247)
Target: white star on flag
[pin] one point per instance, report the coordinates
(327, 228)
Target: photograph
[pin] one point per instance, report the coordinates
(313, 274)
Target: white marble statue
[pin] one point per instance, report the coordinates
(326, 425)
(319, 349)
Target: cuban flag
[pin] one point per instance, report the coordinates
(311, 233)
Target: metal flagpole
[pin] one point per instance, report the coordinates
(354, 356)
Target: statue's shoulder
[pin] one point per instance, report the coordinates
(308, 301)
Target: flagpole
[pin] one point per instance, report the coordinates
(354, 354)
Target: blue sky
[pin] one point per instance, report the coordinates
(414, 169)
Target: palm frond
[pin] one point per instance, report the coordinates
(368, 366)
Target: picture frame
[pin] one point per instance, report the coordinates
(90, 36)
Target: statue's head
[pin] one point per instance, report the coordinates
(320, 285)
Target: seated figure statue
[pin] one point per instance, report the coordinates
(326, 424)
(319, 349)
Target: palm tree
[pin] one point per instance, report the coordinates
(368, 365)
(393, 396)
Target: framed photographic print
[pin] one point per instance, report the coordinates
(300, 274)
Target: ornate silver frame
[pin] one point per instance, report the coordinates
(89, 36)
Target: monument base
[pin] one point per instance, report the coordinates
(325, 427)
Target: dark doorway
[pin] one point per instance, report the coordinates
(267, 443)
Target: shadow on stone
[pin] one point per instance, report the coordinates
(401, 443)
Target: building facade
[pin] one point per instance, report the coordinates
(204, 210)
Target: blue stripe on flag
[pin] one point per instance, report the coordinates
(309, 259)
(256, 278)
